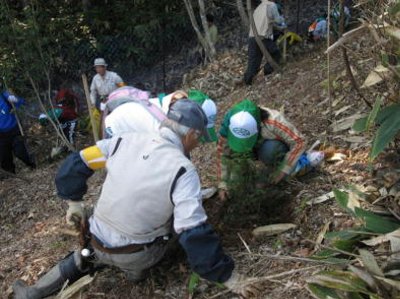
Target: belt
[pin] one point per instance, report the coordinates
(131, 248)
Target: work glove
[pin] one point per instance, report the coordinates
(277, 177)
(207, 193)
(241, 285)
(75, 213)
(223, 194)
(12, 99)
(43, 119)
(103, 106)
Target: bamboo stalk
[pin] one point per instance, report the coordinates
(87, 96)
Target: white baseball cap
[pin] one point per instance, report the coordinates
(210, 109)
(243, 126)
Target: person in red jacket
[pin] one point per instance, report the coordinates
(70, 103)
(66, 111)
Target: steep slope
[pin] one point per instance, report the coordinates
(32, 235)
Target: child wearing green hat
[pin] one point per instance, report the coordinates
(264, 134)
(209, 108)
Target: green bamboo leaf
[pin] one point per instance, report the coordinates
(345, 245)
(370, 263)
(387, 112)
(354, 296)
(354, 233)
(324, 254)
(193, 282)
(343, 200)
(341, 197)
(385, 59)
(340, 280)
(321, 292)
(374, 113)
(376, 223)
(385, 134)
(360, 125)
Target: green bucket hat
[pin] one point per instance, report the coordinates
(209, 108)
(243, 126)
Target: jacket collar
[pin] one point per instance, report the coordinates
(172, 138)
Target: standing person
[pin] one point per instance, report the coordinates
(264, 134)
(11, 141)
(66, 112)
(151, 188)
(266, 16)
(103, 83)
(212, 29)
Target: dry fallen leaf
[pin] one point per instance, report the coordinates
(273, 229)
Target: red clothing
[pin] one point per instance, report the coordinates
(68, 102)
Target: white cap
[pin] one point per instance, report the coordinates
(210, 109)
(243, 125)
(100, 62)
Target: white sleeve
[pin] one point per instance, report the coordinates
(273, 14)
(106, 146)
(186, 197)
(117, 79)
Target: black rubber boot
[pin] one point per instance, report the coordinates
(68, 269)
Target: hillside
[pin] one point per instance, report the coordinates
(33, 236)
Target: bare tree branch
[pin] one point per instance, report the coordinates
(346, 37)
(346, 58)
(206, 29)
(196, 27)
(242, 13)
(56, 128)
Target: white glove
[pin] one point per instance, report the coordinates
(241, 285)
(12, 99)
(75, 210)
(103, 106)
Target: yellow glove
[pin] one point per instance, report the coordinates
(96, 118)
(291, 37)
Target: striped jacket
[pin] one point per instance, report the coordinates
(274, 126)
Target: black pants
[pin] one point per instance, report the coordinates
(68, 128)
(11, 142)
(255, 56)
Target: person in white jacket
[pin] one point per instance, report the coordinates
(151, 189)
(133, 116)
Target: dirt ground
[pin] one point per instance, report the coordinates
(32, 236)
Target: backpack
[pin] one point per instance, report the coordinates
(128, 94)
